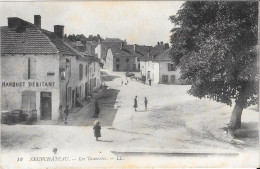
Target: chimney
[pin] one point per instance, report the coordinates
(59, 30)
(166, 46)
(37, 20)
(158, 43)
(17, 23)
(135, 47)
(122, 45)
(161, 42)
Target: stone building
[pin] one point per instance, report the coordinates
(29, 70)
(158, 66)
(41, 72)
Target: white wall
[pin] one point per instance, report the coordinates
(109, 61)
(12, 70)
(164, 71)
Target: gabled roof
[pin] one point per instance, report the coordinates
(79, 43)
(120, 52)
(112, 40)
(63, 48)
(164, 56)
(157, 53)
(30, 41)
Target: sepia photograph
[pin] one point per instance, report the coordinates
(129, 84)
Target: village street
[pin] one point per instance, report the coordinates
(174, 124)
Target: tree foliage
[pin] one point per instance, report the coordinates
(215, 45)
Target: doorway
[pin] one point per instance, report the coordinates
(46, 106)
(73, 98)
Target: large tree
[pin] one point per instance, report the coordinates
(215, 45)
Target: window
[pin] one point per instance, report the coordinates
(165, 79)
(86, 70)
(138, 65)
(69, 95)
(80, 72)
(30, 68)
(171, 67)
(94, 67)
(127, 59)
(117, 60)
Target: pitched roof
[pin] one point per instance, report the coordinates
(121, 52)
(164, 56)
(63, 48)
(30, 41)
(112, 40)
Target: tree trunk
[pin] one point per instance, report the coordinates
(235, 120)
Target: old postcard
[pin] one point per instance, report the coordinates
(129, 84)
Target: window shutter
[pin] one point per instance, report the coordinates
(169, 67)
(25, 69)
(33, 68)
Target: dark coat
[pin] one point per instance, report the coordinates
(145, 102)
(135, 103)
(97, 129)
(96, 108)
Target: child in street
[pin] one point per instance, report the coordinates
(97, 129)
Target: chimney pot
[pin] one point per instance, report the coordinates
(37, 20)
(135, 47)
(158, 43)
(59, 30)
(161, 42)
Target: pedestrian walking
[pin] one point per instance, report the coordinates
(96, 113)
(66, 112)
(145, 103)
(135, 103)
(97, 129)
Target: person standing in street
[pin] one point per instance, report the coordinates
(145, 103)
(97, 129)
(66, 112)
(96, 109)
(150, 81)
(135, 103)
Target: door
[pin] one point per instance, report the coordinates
(172, 79)
(73, 98)
(46, 105)
(164, 79)
(148, 74)
(28, 100)
(117, 67)
(86, 90)
(134, 67)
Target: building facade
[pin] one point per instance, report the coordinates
(29, 71)
(159, 67)
(41, 73)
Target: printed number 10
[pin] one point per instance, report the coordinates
(20, 159)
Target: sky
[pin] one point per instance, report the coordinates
(139, 22)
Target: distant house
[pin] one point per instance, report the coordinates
(118, 56)
(159, 67)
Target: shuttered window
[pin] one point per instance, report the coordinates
(171, 67)
(30, 68)
(86, 70)
(80, 72)
(28, 100)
